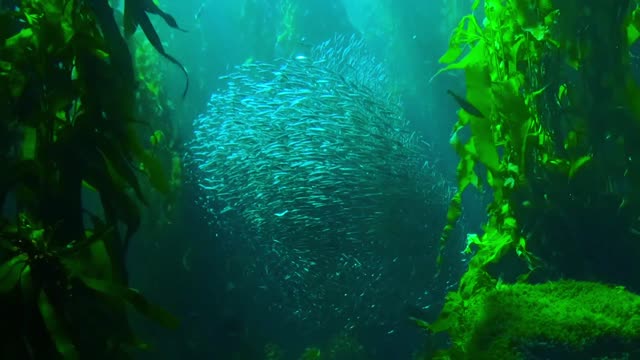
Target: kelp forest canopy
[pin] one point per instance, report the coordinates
(76, 156)
(558, 150)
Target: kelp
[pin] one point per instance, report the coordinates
(162, 142)
(135, 14)
(71, 131)
(556, 141)
(495, 88)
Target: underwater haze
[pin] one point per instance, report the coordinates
(320, 179)
(318, 174)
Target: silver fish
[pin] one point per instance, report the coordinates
(311, 169)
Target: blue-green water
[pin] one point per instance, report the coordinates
(317, 179)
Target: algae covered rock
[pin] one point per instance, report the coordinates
(555, 320)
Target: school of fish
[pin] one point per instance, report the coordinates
(309, 166)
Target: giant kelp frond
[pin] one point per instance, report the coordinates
(69, 121)
(135, 14)
(497, 87)
(560, 114)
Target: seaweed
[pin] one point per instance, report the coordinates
(554, 83)
(70, 180)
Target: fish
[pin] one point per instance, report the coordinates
(466, 105)
(312, 156)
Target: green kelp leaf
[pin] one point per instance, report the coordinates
(100, 54)
(17, 82)
(631, 96)
(633, 29)
(466, 168)
(537, 92)
(632, 34)
(478, 80)
(29, 143)
(156, 138)
(135, 14)
(522, 252)
(128, 212)
(511, 106)
(154, 39)
(21, 40)
(453, 214)
(472, 239)
(578, 164)
(113, 190)
(151, 165)
(134, 298)
(477, 55)
(483, 154)
(451, 55)
(153, 8)
(571, 141)
(10, 272)
(131, 8)
(67, 22)
(448, 316)
(91, 257)
(513, 52)
(526, 13)
(100, 260)
(120, 169)
(5, 67)
(134, 10)
(479, 93)
(176, 172)
(471, 33)
(539, 31)
(55, 325)
(26, 284)
(509, 224)
(114, 44)
(466, 32)
(495, 243)
(88, 186)
(455, 210)
(157, 174)
(562, 92)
